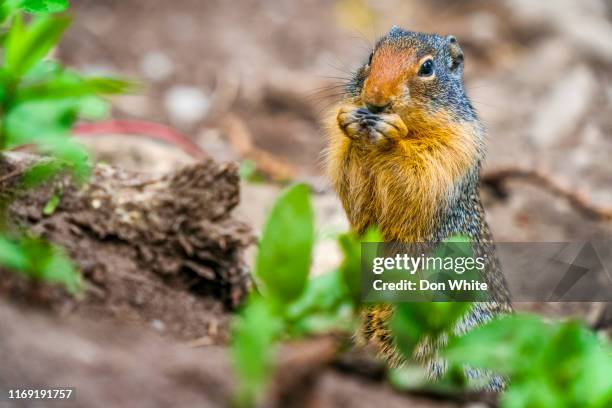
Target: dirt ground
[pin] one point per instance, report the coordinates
(252, 80)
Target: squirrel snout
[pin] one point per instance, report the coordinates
(385, 82)
(379, 99)
(376, 98)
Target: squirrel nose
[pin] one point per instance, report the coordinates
(376, 108)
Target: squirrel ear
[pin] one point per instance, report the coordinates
(455, 52)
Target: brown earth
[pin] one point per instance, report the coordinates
(163, 252)
(124, 367)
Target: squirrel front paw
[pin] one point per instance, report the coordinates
(361, 124)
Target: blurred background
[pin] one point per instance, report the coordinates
(251, 80)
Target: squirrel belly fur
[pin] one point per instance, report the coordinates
(405, 148)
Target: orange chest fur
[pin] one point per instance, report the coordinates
(403, 187)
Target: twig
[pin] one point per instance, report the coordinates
(241, 139)
(496, 178)
(298, 363)
(309, 355)
(200, 342)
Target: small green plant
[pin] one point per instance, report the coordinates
(43, 6)
(248, 172)
(34, 258)
(547, 364)
(40, 101)
(283, 260)
(289, 305)
(550, 365)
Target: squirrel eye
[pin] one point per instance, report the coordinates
(426, 69)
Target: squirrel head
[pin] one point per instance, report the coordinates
(414, 75)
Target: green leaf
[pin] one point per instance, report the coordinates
(351, 264)
(411, 322)
(47, 124)
(52, 204)
(549, 365)
(407, 331)
(535, 393)
(44, 6)
(8, 8)
(435, 317)
(409, 378)
(340, 321)
(48, 81)
(4, 85)
(32, 121)
(255, 331)
(59, 269)
(459, 238)
(37, 259)
(25, 46)
(416, 378)
(44, 70)
(324, 292)
(323, 306)
(248, 172)
(577, 365)
(283, 260)
(42, 172)
(14, 40)
(63, 87)
(70, 152)
(508, 345)
(94, 108)
(11, 255)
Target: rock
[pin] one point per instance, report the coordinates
(186, 105)
(158, 325)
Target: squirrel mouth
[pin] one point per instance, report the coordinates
(363, 124)
(366, 118)
(368, 123)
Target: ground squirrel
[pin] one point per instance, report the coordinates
(405, 151)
